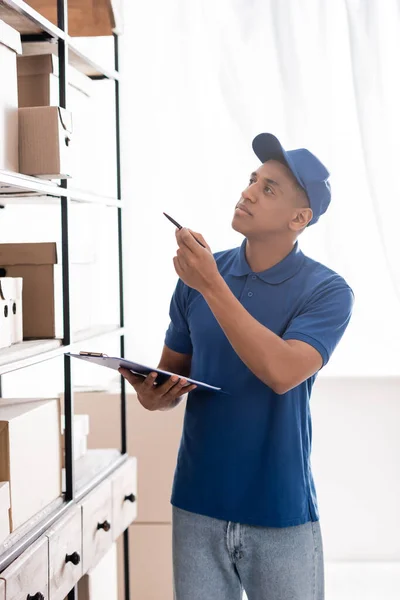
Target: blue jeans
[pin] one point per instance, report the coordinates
(217, 560)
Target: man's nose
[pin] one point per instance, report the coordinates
(248, 193)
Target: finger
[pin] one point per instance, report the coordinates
(189, 388)
(184, 260)
(185, 386)
(168, 385)
(131, 377)
(151, 379)
(179, 390)
(178, 267)
(185, 239)
(200, 238)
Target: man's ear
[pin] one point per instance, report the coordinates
(301, 219)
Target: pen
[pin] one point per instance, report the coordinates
(180, 227)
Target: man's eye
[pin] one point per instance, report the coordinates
(267, 188)
(251, 181)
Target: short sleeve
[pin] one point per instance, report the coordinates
(177, 337)
(324, 319)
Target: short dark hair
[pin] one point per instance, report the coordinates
(300, 192)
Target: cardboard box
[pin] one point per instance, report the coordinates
(10, 46)
(81, 432)
(4, 510)
(42, 304)
(150, 557)
(45, 142)
(38, 85)
(100, 582)
(36, 263)
(30, 455)
(86, 18)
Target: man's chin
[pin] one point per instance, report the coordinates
(236, 226)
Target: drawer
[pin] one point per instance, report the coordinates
(28, 576)
(124, 491)
(65, 554)
(97, 524)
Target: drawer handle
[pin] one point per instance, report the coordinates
(105, 525)
(131, 498)
(74, 558)
(38, 596)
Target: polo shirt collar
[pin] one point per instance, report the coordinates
(285, 269)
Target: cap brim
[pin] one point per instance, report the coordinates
(267, 147)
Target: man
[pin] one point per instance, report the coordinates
(259, 321)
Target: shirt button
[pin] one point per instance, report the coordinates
(254, 277)
(250, 294)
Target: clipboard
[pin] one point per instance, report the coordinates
(114, 362)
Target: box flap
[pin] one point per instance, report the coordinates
(42, 253)
(81, 424)
(10, 37)
(47, 64)
(41, 64)
(13, 408)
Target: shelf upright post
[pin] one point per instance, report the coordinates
(62, 22)
(124, 445)
(120, 242)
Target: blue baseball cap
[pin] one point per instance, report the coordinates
(310, 173)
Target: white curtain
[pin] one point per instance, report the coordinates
(201, 78)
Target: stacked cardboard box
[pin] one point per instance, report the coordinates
(37, 264)
(86, 18)
(10, 46)
(81, 432)
(30, 457)
(38, 87)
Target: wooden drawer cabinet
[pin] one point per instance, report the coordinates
(96, 524)
(28, 576)
(124, 493)
(65, 554)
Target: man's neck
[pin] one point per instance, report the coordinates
(264, 254)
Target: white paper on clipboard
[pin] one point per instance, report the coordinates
(114, 362)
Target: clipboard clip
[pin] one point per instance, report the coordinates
(97, 354)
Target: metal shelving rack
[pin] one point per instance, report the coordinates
(14, 188)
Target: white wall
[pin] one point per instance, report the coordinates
(355, 461)
(200, 80)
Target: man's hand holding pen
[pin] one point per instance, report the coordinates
(194, 264)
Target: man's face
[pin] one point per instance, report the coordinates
(270, 203)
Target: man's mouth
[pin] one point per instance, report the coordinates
(243, 207)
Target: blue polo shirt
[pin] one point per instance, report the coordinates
(244, 455)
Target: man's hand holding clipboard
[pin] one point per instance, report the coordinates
(152, 396)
